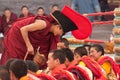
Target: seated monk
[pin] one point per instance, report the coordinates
(69, 62)
(94, 67)
(56, 61)
(107, 63)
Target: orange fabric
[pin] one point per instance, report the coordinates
(58, 68)
(24, 78)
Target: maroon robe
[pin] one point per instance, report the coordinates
(0, 23)
(15, 47)
(5, 25)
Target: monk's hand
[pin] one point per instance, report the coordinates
(30, 50)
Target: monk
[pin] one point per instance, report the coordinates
(41, 11)
(7, 19)
(27, 34)
(23, 38)
(25, 12)
(106, 62)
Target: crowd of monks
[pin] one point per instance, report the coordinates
(9, 16)
(86, 62)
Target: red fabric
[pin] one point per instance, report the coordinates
(5, 24)
(119, 71)
(83, 72)
(0, 23)
(94, 67)
(73, 63)
(43, 76)
(84, 25)
(58, 69)
(114, 65)
(65, 74)
(14, 45)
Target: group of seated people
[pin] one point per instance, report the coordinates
(86, 62)
(9, 17)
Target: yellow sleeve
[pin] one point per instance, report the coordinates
(24, 78)
(39, 71)
(107, 67)
(82, 63)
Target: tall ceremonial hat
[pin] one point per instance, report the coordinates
(71, 20)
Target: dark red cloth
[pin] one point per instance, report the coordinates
(29, 14)
(15, 47)
(0, 23)
(5, 25)
(79, 72)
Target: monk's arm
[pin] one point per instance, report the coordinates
(37, 25)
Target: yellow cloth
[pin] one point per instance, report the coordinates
(82, 63)
(24, 78)
(107, 67)
(38, 71)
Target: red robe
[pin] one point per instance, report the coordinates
(72, 64)
(114, 65)
(15, 47)
(0, 22)
(94, 67)
(58, 69)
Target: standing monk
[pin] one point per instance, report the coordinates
(27, 34)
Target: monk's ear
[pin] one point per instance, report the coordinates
(99, 53)
(12, 75)
(57, 61)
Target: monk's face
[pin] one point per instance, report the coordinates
(40, 12)
(54, 9)
(7, 13)
(94, 54)
(61, 45)
(51, 63)
(25, 11)
(57, 30)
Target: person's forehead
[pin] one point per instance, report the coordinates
(60, 43)
(92, 49)
(50, 54)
